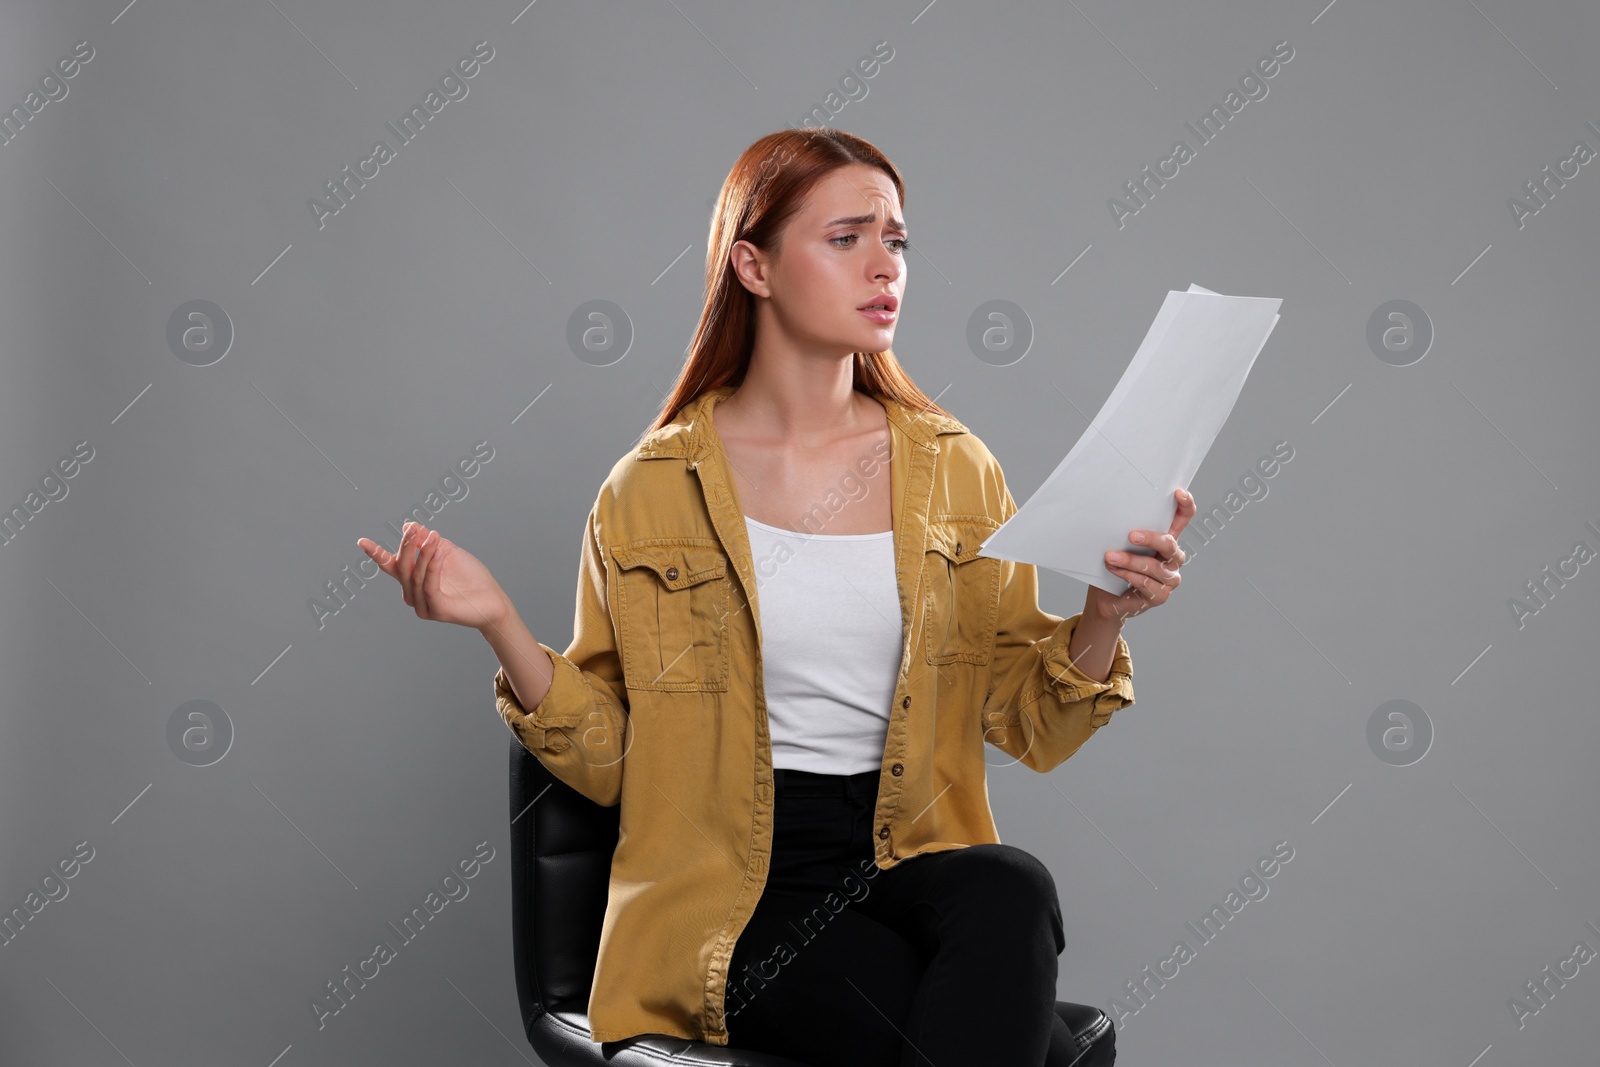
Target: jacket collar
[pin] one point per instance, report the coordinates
(690, 434)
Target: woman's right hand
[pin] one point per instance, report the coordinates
(440, 579)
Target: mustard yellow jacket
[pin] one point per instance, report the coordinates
(658, 702)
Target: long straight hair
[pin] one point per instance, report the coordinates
(765, 189)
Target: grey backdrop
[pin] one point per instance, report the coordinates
(1434, 475)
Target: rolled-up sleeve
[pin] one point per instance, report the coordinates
(579, 730)
(1040, 708)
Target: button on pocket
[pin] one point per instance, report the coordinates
(963, 599)
(672, 614)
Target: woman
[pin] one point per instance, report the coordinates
(807, 862)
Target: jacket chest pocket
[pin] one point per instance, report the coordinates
(963, 599)
(672, 614)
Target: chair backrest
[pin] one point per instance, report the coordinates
(562, 844)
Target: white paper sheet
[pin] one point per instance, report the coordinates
(1147, 441)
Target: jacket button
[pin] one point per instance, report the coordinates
(906, 703)
(896, 770)
(883, 833)
(958, 548)
(672, 574)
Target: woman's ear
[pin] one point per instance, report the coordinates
(750, 267)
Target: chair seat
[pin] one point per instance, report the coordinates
(561, 1038)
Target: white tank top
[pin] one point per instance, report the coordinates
(831, 639)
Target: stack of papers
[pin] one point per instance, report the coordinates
(1147, 441)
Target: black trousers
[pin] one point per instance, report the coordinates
(948, 959)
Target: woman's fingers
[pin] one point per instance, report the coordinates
(379, 555)
(419, 575)
(1186, 511)
(1165, 545)
(418, 565)
(1159, 567)
(1146, 588)
(408, 561)
(1130, 561)
(413, 553)
(1142, 583)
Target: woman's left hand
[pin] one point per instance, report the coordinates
(1153, 578)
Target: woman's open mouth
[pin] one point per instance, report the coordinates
(881, 311)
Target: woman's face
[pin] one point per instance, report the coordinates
(844, 249)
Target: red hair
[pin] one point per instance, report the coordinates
(765, 189)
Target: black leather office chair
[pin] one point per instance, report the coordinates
(561, 851)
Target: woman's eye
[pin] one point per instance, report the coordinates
(902, 242)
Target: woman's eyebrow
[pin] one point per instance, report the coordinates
(898, 225)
